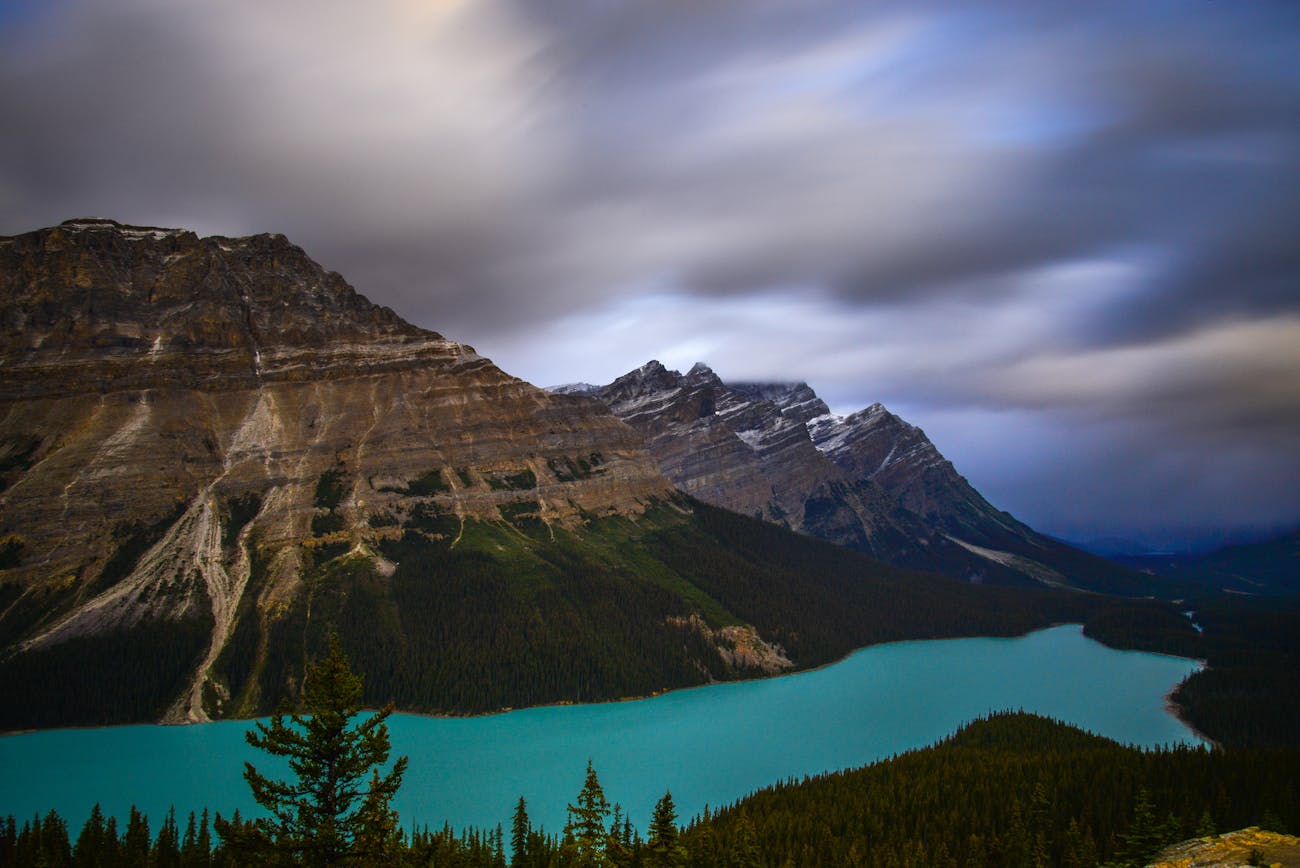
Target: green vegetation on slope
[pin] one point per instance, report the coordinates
(484, 615)
(474, 616)
(128, 675)
(1011, 790)
(1008, 791)
(1248, 695)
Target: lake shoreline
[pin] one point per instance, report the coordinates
(712, 746)
(470, 715)
(442, 715)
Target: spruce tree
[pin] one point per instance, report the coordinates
(91, 848)
(328, 814)
(55, 849)
(664, 848)
(584, 834)
(136, 840)
(1144, 835)
(167, 848)
(745, 852)
(195, 853)
(8, 840)
(204, 849)
(519, 830)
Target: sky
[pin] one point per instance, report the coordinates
(1061, 237)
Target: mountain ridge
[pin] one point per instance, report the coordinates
(213, 453)
(151, 382)
(868, 480)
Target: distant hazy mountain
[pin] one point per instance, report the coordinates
(869, 481)
(1270, 567)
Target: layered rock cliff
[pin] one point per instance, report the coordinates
(869, 481)
(175, 408)
(214, 453)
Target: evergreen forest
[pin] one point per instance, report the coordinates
(483, 615)
(1010, 790)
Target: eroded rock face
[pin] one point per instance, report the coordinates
(869, 481)
(876, 445)
(210, 401)
(1251, 846)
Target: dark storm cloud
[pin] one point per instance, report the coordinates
(1079, 211)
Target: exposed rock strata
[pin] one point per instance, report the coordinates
(153, 383)
(869, 481)
(739, 647)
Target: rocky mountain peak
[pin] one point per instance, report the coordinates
(795, 400)
(179, 413)
(96, 305)
(701, 371)
(869, 480)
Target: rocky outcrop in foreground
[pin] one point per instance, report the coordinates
(1252, 846)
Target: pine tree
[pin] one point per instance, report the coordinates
(664, 848)
(56, 851)
(1143, 837)
(617, 853)
(8, 840)
(519, 831)
(196, 845)
(326, 815)
(585, 831)
(166, 849)
(112, 843)
(135, 843)
(205, 838)
(1271, 822)
(498, 848)
(90, 848)
(745, 852)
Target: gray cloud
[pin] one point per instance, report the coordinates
(1074, 211)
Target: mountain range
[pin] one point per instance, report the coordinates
(1269, 567)
(214, 453)
(869, 481)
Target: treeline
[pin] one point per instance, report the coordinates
(128, 675)
(1010, 790)
(517, 613)
(1248, 694)
(480, 616)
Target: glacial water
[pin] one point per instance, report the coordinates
(709, 745)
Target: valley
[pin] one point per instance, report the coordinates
(214, 455)
(216, 452)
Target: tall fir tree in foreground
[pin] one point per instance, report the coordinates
(329, 814)
(520, 828)
(664, 849)
(585, 839)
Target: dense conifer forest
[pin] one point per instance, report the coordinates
(480, 616)
(1248, 694)
(1010, 790)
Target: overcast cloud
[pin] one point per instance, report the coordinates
(1061, 237)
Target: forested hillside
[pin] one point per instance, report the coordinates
(1011, 790)
(1003, 792)
(485, 615)
(1248, 694)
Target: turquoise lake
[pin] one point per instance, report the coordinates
(709, 745)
